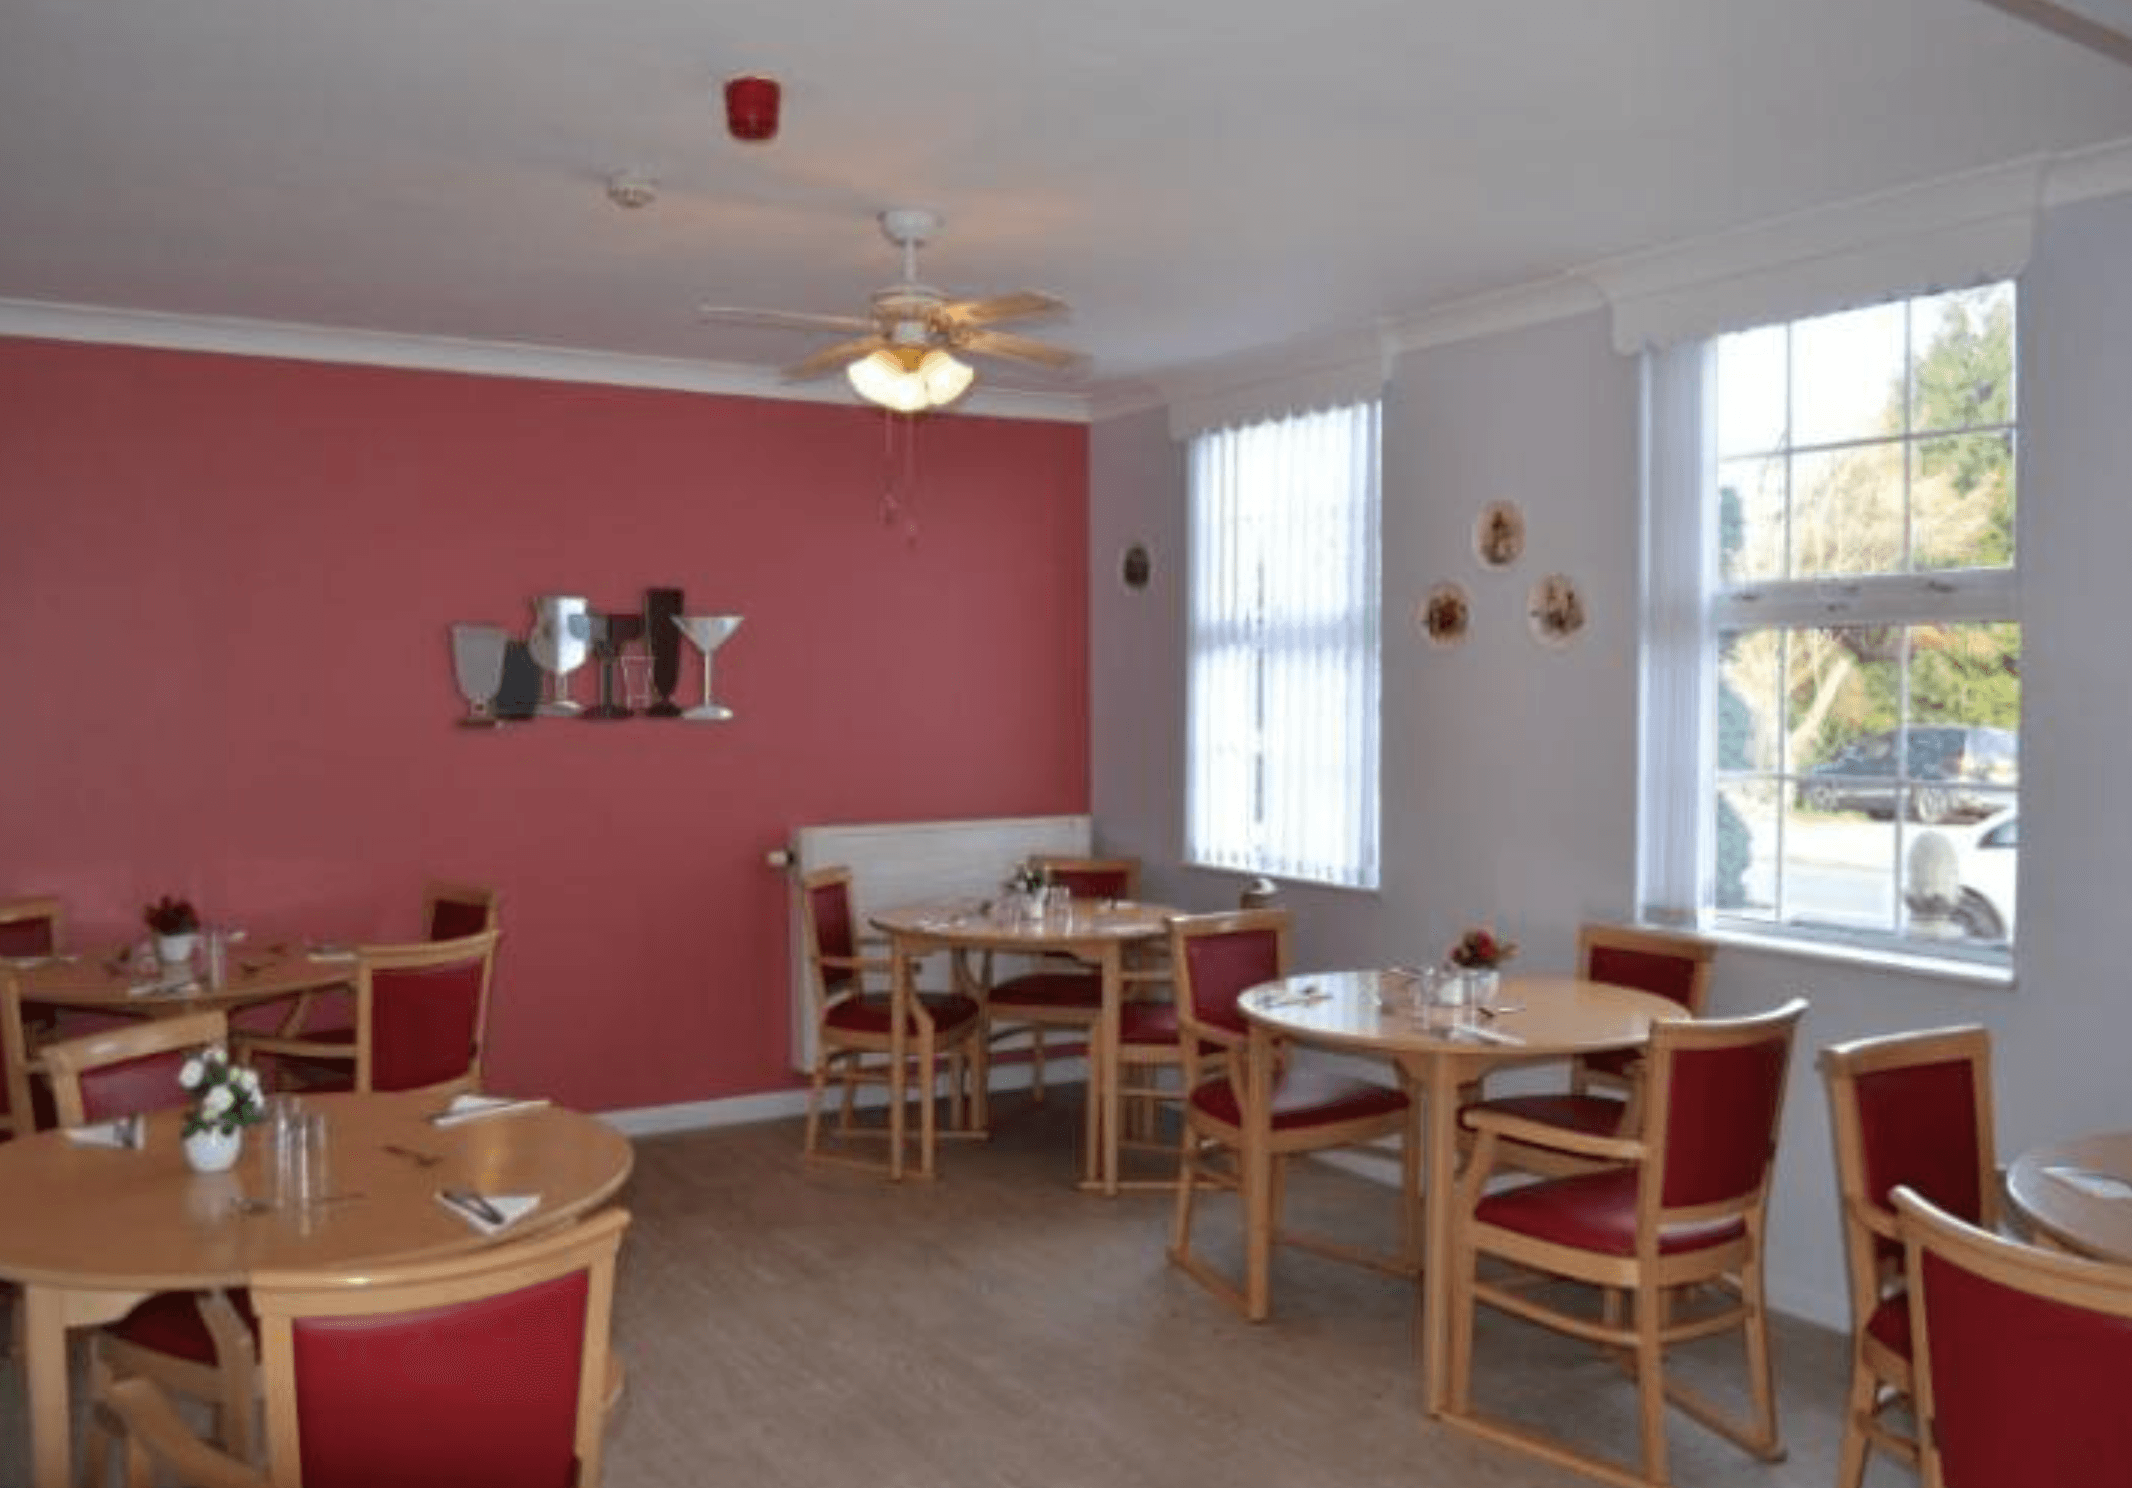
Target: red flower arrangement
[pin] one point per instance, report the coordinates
(1480, 950)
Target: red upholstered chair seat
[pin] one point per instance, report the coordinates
(870, 1014)
(1595, 1212)
(1050, 989)
(1596, 1115)
(1305, 1098)
(170, 1323)
(1890, 1323)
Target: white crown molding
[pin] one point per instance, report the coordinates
(2082, 175)
(1122, 398)
(1309, 372)
(238, 337)
(1498, 313)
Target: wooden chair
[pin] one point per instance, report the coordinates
(1678, 1223)
(451, 911)
(1602, 1096)
(1216, 958)
(1060, 994)
(18, 1051)
(859, 1039)
(32, 927)
(2020, 1356)
(490, 1367)
(1905, 1110)
(421, 1023)
(199, 1344)
(122, 1071)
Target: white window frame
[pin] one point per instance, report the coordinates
(1687, 608)
(1284, 648)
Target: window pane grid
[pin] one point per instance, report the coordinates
(1864, 774)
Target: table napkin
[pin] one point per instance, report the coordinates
(123, 1132)
(513, 1208)
(1485, 1035)
(473, 1107)
(2094, 1185)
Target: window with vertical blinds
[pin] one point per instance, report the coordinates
(1284, 643)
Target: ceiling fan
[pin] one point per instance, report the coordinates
(905, 355)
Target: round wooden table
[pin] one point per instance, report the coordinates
(89, 1231)
(1437, 1050)
(2045, 1186)
(105, 982)
(1096, 932)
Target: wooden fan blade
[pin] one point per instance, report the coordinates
(783, 320)
(832, 358)
(1021, 349)
(1022, 304)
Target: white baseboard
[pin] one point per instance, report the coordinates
(777, 1105)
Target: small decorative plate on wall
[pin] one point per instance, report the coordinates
(1135, 567)
(1555, 610)
(1499, 534)
(1444, 615)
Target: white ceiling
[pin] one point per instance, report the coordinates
(1197, 179)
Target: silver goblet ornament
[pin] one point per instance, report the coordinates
(560, 643)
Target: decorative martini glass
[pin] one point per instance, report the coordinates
(707, 633)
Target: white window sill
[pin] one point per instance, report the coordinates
(1931, 968)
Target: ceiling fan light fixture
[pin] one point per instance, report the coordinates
(906, 380)
(946, 376)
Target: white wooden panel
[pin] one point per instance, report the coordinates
(903, 862)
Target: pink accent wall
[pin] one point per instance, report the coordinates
(225, 584)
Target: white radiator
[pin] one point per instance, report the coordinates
(905, 862)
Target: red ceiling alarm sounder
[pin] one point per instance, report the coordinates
(751, 108)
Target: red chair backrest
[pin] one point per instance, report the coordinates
(480, 1392)
(1670, 977)
(454, 919)
(2027, 1391)
(1723, 1104)
(829, 905)
(1095, 883)
(27, 937)
(424, 1022)
(1918, 1128)
(1222, 966)
(131, 1086)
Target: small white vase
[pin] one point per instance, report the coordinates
(176, 950)
(213, 1151)
(1482, 984)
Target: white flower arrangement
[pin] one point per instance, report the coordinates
(225, 1096)
(1029, 878)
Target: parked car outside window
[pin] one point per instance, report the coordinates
(1955, 772)
(1986, 854)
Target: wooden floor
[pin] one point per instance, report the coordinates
(788, 1327)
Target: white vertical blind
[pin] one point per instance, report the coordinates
(1677, 686)
(1282, 739)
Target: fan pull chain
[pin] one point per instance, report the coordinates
(901, 482)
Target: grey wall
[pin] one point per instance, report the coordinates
(1509, 775)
